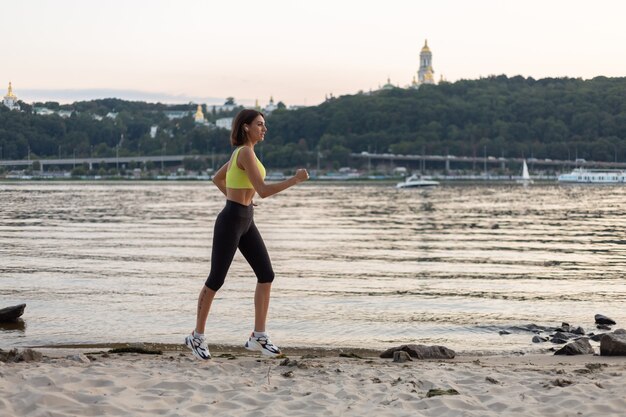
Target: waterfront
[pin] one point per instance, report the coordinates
(100, 262)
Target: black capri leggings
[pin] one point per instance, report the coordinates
(235, 228)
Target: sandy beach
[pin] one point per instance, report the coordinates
(90, 382)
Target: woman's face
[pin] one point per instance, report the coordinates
(256, 129)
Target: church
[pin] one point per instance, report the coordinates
(10, 100)
(425, 73)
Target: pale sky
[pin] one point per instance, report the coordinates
(295, 51)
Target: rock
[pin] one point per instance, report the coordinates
(401, 356)
(78, 358)
(603, 327)
(26, 355)
(600, 319)
(564, 328)
(620, 331)
(597, 337)
(437, 391)
(559, 338)
(11, 314)
(613, 345)
(561, 335)
(503, 332)
(579, 347)
(539, 339)
(578, 330)
(421, 352)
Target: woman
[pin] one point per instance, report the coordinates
(240, 179)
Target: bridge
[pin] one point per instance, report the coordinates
(485, 161)
(106, 161)
(394, 159)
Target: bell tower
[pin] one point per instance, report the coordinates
(426, 74)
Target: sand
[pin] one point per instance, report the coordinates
(176, 384)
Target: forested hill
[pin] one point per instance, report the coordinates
(558, 118)
(547, 118)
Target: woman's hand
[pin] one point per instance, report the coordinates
(301, 175)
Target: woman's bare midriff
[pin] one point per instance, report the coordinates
(242, 196)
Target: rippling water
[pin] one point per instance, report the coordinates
(356, 265)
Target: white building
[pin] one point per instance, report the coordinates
(43, 111)
(176, 114)
(270, 106)
(224, 123)
(10, 100)
(426, 74)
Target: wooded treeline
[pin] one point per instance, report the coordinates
(557, 118)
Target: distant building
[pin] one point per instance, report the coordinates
(388, 86)
(176, 114)
(426, 74)
(223, 107)
(10, 100)
(43, 111)
(153, 131)
(66, 114)
(270, 106)
(224, 123)
(198, 118)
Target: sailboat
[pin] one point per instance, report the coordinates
(525, 176)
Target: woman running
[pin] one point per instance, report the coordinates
(240, 179)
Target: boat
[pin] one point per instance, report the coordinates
(415, 181)
(594, 176)
(525, 180)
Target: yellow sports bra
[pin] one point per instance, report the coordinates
(237, 177)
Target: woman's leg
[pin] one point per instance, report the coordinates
(205, 299)
(253, 249)
(261, 305)
(225, 240)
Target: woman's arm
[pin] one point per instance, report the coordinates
(247, 160)
(219, 179)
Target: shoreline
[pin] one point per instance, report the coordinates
(64, 383)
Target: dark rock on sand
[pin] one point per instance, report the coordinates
(603, 327)
(26, 355)
(504, 332)
(578, 330)
(597, 337)
(620, 331)
(434, 392)
(401, 356)
(539, 339)
(564, 328)
(578, 347)
(560, 338)
(11, 314)
(613, 344)
(421, 352)
(600, 319)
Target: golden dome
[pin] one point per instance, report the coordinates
(10, 93)
(425, 48)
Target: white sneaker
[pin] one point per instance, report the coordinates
(198, 346)
(262, 344)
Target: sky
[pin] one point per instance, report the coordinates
(294, 51)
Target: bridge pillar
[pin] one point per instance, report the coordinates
(90, 166)
(448, 165)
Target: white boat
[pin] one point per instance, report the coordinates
(415, 181)
(525, 175)
(594, 176)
